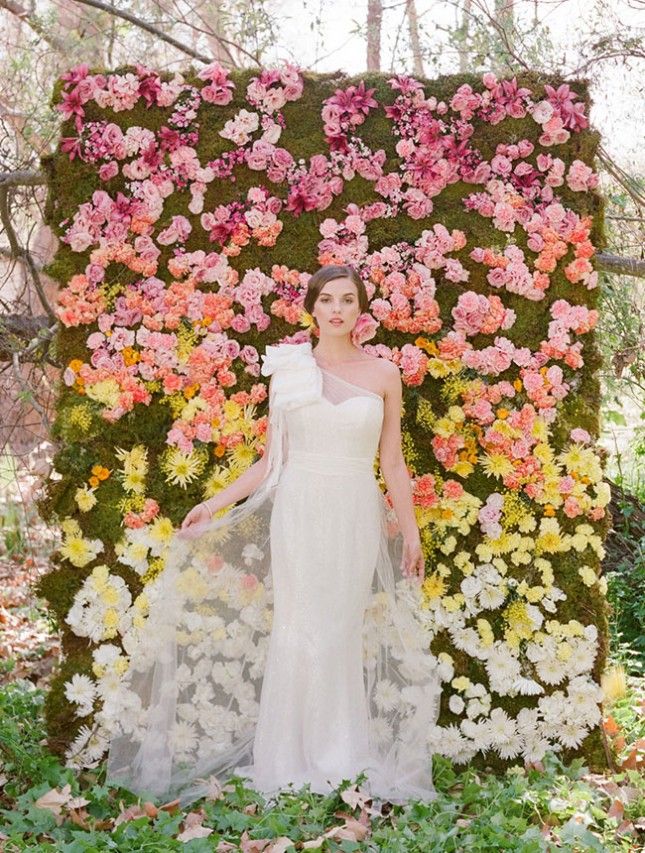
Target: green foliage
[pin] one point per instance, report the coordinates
(559, 807)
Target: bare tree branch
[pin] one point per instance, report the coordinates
(620, 266)
(19, 251)
(22, 178)
(150, 28)
(620, 175)
(35, 23)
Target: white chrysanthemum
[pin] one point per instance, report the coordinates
(511, 747)
(527, 686)
(81, 689)
(572, 733)
(106, 654)
(183, 737)
(491, 597)
(502, 727)
(386, 695)
(479, 733)
(551, 671)
(535, 748)
(452, 742)
(502, 668)
(552, 708)
(380, 730)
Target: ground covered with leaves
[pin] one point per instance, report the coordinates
(46, 806)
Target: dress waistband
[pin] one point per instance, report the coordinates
(323, 463)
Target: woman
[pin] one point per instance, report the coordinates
(279, 645)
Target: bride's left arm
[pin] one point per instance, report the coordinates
(393, 467)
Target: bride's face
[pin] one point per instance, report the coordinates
(337, 308)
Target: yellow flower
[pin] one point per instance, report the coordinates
(564, 651)
(519, 620)
(110, 595)
(460, 683)
(105, 391)
(130, 356)
(496, 465)
(588, 575)
(463, 468)
(80, 551)
(85, 499)
(433, 586)
(451, 603)
(182, 468)
(135, 482)
(161, 529)
(111, 619)
(550, 537)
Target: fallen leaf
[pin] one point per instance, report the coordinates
(54, 800)
(197, 831)
(130, 813)
(281, 844)
(193, 826)
(610, 726)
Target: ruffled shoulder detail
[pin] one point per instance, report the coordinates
(297, 379)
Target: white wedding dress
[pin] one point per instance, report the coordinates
(283, 642)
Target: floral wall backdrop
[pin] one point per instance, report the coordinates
(191, 210)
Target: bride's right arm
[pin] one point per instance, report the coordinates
(240, 488)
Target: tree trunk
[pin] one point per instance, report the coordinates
(415, 41)
(374, 20)
(464, 33)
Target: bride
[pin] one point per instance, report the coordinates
(285, 642)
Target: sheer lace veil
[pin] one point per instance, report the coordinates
(187, 707)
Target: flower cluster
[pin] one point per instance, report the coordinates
(166, 307)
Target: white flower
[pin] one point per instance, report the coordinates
(551, 671)
(183, 737)
(251, 552)
(380, 730)
(386, 695)
(572, 733)
(82, 690)
(470, 586)
(510, 748)
(456, 704)
(502, 727)
(527, 686)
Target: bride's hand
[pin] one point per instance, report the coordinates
(198, 515)
(412, 563)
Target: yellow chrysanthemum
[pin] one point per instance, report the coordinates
(433, 587)
(496, 465)
(85, 498)
(161, 530)
(105, 391)
(518, 619)
(549, 539)
(182, 468)
(78, 551)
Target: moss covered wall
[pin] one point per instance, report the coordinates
(108, 413)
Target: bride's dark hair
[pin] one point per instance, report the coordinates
(329, 273)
